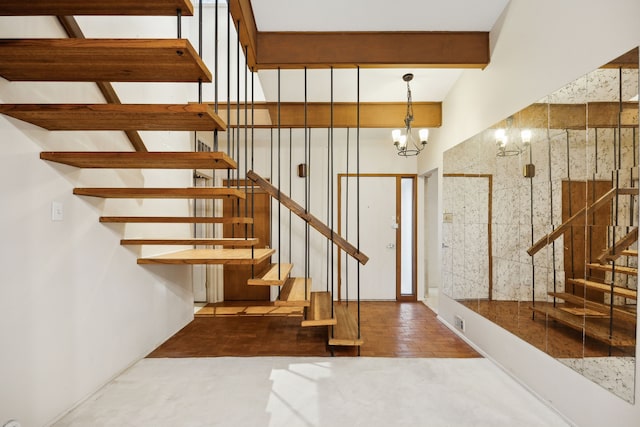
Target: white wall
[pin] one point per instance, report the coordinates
(76, 308)
(538, 47)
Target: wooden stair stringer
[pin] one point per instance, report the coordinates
(272, 275)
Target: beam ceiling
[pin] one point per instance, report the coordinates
(380, 49)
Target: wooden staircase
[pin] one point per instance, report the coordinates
(79, 59)
(599, 308)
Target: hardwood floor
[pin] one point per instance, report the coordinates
(389, 329)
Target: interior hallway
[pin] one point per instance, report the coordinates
(424, 375)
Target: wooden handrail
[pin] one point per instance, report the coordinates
(616, 251)
(308, 217)
(544, 241)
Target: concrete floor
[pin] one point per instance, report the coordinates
(301, 391)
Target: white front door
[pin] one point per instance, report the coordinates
(378, 228)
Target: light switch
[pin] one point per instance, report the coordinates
(57, 211)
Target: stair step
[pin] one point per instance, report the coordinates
(293, 293)
(345, 331)
(210, 256)
(176, 219)
(101, 60)
(141, 160)
(631, 191)
(161, 193)
(617, 290)
(84, 7)
(237, 242)
(630, 252)
(127, 117)
(583, 311)
(596, 328)
(619, 312)
(618, 268)
(270, 277)
(319, 311)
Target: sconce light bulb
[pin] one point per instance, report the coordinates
(424, 135)
(402, 143)
(525, 134)
(395, 135)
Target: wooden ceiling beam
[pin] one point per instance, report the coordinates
(372, 114)
(385, 49)
(373, 49)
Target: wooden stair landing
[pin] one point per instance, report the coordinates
(270, 277)
(176, 220)
(84, 7)
(631, 271)
(127, 117)
(293, 293)
(161, 193)
(319, 311)
(603, 287)
(101, 60)
(594, 328)
(141, 160)
(226, 242)
(210, 256)
(345, 331)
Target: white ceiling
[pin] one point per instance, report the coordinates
(377, 15)
(376, 85)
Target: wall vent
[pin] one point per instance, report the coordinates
(459, 323)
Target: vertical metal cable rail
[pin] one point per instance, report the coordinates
(358, 194)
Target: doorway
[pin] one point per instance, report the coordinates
(388, 227)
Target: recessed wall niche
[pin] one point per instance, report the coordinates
(540, 217)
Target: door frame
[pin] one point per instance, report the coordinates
(414, 247)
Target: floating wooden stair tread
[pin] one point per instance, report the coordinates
(128, 117)
(210, 256)
(583, 311)
(294, 293)
(345, 331)
(84, 7)
(595, 328)
(101, 60)
(603, 287)
(272, 275)
(161, 193)
(631, 271)
(619, 312)
(141, 160)
(236, 242)
(176, 219)
(319, 311)
(630, 252)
